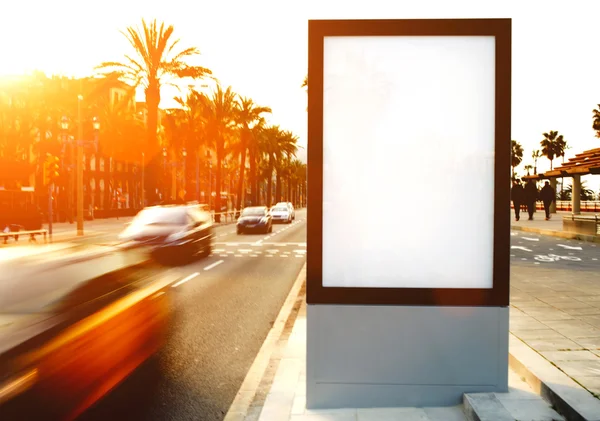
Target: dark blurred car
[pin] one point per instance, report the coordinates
(255, 218)
(74, 323)
(173, 232)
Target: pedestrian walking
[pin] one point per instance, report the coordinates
(516, 195)
(548, 196)
(531, 196)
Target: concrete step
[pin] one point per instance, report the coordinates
(521, 403)
(569, 398)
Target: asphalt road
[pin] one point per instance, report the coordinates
(529, 249)
(225, 310)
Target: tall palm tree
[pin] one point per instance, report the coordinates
(269, 146)
(248, 115)
(516, 155)
(194, 125)
(220, 114)
(286, 147)
(528, 167)
(536, 154)
(256, 149)
(553, 145)
(154, 62)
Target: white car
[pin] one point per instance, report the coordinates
(290, 207)
(281, 213)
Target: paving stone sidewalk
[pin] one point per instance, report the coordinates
(559, 317)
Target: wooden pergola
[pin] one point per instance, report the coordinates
(587, 162)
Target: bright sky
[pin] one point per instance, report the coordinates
(260, 48)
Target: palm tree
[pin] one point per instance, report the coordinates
(155, 61)
(553, 145)
(585, 194)
(528, 167)
(285, 148)
(269, 146)
(516, 155)
(536, 154)
(297, 177)
(249, 114)
(220, 113)
(596, 120)
(193, 123)
(256, 149)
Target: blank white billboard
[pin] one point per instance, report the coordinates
(408, 161)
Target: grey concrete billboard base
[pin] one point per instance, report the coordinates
(403, 356)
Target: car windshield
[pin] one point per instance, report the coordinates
(161, 216)
(253, 212)
(280, 209)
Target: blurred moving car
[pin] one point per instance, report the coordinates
(174, 232)
(255, 218)
(74, 323)
(281, 213)
(289, 206)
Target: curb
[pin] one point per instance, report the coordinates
(485, 407)
(245, 395)
(567, 396)
(559, 234)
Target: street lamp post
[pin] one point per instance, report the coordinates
(184, 154)
(197, 176)
(209, 178)
(64, 126)
(79, 168)
(96, 127)
(143, 184)
(164, 152)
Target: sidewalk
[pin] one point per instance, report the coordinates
(554, 353)
(553, 227)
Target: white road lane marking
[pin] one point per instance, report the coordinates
(569, 247)
(530, 239)
(209, 267)
(520, 248)
(187, 278)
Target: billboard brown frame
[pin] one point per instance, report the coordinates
(498, 295)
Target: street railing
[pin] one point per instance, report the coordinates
(30, 233)
(567, 206)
